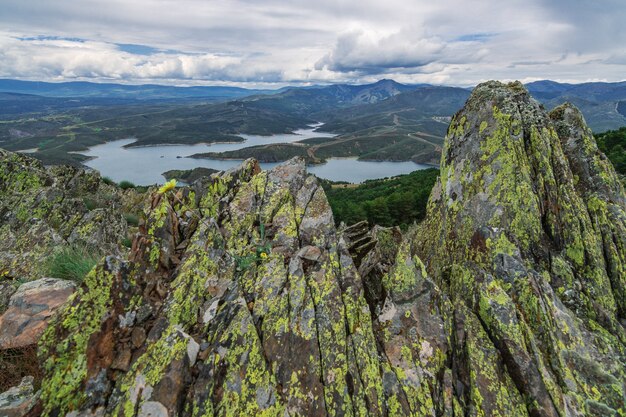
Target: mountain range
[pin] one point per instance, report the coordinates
(120, 91)
(385, 120)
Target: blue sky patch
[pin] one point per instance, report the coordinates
(475, 37)
(50, 38)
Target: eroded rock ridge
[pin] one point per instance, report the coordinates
(240, 297)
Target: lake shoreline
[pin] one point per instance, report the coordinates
(144, 165)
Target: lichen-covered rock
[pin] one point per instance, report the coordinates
(525, 234)
(239, 296)
(249, 302)
(18, 401)
(601, 191)
(30, 309)
(7, 289)
(43, 209)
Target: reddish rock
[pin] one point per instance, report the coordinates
(122, 360)
(138, 337)
(30, 309)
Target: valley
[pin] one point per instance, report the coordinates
(383, 123)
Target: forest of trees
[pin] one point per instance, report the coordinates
(398, 201)
(613, 144)
(401, 201)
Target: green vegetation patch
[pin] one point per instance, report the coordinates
(72, 263)
(613, 144)
(188, 175)
(264, 153)
(131, 219)
(398, 201)
(125, 185)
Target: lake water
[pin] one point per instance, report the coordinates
(145, 165)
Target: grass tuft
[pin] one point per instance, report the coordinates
(72, 263)
(91, 204)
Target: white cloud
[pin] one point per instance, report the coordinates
(60, 59)
(252, 42)
(369, 51)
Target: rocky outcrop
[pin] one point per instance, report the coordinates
(30, 309)
(43, 209)
(239, 296)
(597, 183)
(531, 256)
(18, 401)
(7, 289)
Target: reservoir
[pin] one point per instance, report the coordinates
(145, 165)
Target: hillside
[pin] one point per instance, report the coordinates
(61, 131)
(241, 297)
(406, 126)
(80, 89)
(59, 137)
(600, 103)
(383, 121)
(399, 201)
(613, 144)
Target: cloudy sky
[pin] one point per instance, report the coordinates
(258, 43)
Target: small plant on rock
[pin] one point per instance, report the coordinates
(261, 250)
(71, 263)
(260, 254)
(131, 219)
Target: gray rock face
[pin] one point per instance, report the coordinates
(43, 209)
(516, 240)
(241, 298)
(18, 401)
(602, 193)
(6, 291)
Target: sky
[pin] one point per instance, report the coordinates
(272, 43)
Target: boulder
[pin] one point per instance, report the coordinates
(18, 401)
(30, 310)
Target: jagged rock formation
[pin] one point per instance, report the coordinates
(42, 209)
(240, 297)
(531, 255)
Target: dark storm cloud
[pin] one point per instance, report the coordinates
(273, 41)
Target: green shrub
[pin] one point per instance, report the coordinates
(71, 263)
(91, 204)
(127, 242)
(125, 185)
(108, 181)
(131, 219)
